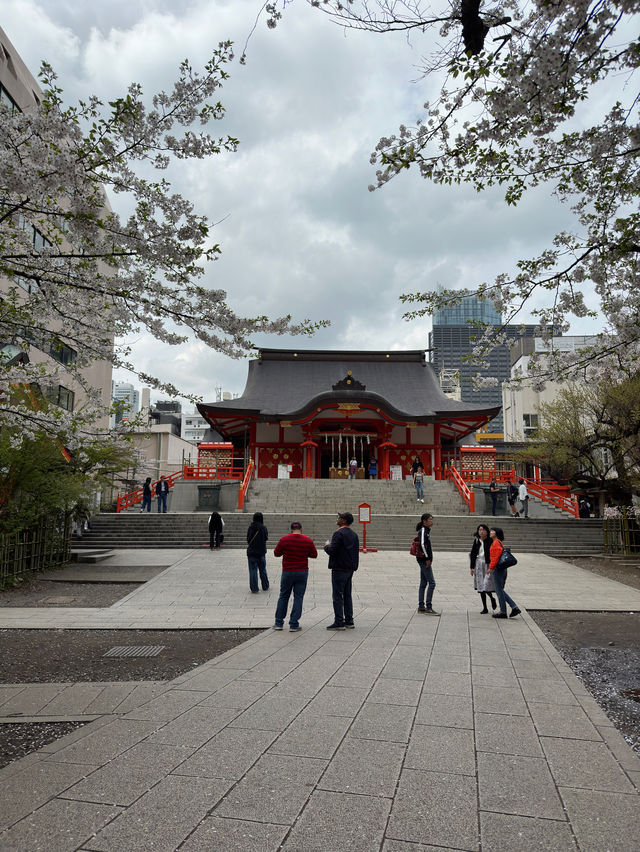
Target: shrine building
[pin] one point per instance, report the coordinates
(307, 413)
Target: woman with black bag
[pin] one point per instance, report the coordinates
(499, 575)
(479, 560)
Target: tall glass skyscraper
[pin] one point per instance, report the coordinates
(452, 341)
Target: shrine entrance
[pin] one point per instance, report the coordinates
(337, 448)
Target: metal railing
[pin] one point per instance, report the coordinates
(126, 501)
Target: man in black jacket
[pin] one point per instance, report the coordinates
(344, 553)
(257, 536)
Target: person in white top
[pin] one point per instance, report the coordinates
(523, 496)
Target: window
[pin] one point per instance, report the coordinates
(59, 395)
(7, 100)
(530, 423)
(62, 353)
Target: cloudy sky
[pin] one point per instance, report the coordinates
(300, 233)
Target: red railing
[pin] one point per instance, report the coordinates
(242, 493)
(567, 503)
(465, 492)
(227, 472)
(126, 501)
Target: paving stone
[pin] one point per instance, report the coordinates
(494, 676)
(141, 694)
(583, 764)
(451, 711)
(311, 735)
(370, 767)
(73, 736)
(228, 754)
(102, 745)
(620, 748)
(537, 669)
(596, 714)
(394, 691)
(544, 691)
(25, 791)
(339, 821)
(499, 832)
(401, 846)
(195, 727)
(162, 818)
(501, 734)
(208, 678)
(235, 835)
(110, 697)
(237, 695)
(603, 820)
(274, 712)
(449, 663)
(499, 699)
(338, 701)
(274, 789)
(562, 720)
(435, 808)
(381, 722)
(74, 699)
(9, 691)
(169, 705)
(447, 683)
(517, 785)
(127, 777)
(58, 826)
(354, 677)
(436, 748)
(32, 700)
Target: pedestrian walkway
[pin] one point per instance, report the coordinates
(411, 733)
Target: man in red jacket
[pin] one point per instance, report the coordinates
(296, 549)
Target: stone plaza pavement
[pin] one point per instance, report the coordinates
(410, 733)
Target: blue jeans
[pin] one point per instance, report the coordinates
(499, 579)
(146, 502)
(162, 502)
(296, 582)
(342, 601)
(419, 489)
(427, 581)
(258, 565)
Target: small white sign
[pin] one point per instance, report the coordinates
(283, 471)
(396, 471)
(365, 514)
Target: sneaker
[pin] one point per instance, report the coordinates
(277, 627)
(295, 629)
(422, 608)
(499, 615)
(515, 611)
(484, 611)
(430, 611)
(349, 625)
(335, 626)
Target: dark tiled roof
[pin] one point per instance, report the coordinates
(284, 384)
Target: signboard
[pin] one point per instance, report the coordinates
(396, 471)
(284, 470)
(364, 513)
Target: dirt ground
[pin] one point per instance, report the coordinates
(603, 649)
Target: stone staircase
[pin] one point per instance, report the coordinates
(327, 496)
(557, 537)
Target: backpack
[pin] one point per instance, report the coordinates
(415, 549)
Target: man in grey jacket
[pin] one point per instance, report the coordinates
(344, 554)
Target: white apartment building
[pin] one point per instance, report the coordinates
(521, 405)
(19, 90)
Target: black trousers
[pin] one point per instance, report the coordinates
(342, 602)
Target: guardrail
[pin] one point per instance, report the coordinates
(126, 501)
(465, 492)
(242, 493)
(226, 472)
(567, 503)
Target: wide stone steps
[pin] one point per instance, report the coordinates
(559, 537)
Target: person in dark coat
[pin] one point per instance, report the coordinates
(257, 536)
(146, 495)
(162, 489)
(344, 555)
(216, 525)
(479, 560)
(425, 562)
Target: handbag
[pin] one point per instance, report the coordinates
(507, 559)
(415, 549)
